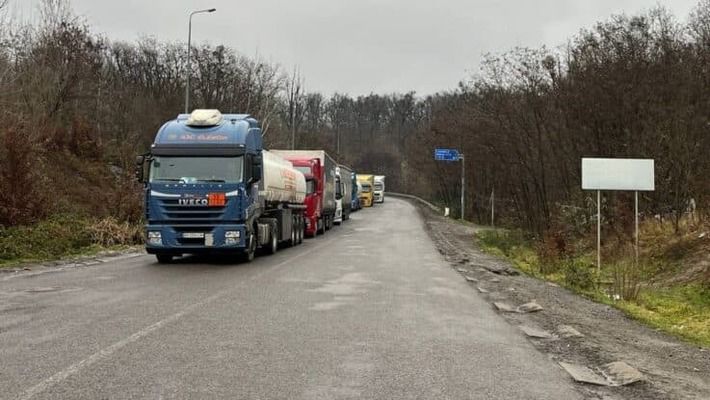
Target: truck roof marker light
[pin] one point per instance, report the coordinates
(205, 118)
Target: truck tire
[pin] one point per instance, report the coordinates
(164, 258)
(320, 229)
(294, 232)
(250, 252)
(301, 230)
(273, 239)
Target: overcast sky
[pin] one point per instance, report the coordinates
(363, 46)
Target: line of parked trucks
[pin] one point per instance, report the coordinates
(210, 188)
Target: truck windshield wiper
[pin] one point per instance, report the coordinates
(212, 180)
(169, 179)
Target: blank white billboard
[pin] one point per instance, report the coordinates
(618, 174)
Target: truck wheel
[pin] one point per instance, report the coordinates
(301, 230)
(164, 258)
(274, 239)
(320, 229)
(248, 255)
(294, 232)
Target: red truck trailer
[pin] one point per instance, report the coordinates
(320, 171)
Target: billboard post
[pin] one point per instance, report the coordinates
(618, 174)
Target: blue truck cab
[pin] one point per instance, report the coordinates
(200, 182)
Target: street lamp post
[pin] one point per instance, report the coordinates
(189, 54)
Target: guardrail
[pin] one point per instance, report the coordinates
(417, 198)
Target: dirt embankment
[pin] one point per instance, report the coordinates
(671, 369)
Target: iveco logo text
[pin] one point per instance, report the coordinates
(193, 202)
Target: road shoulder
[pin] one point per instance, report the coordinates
(38, 268)
(572, 329)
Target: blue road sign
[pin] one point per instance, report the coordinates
(446, 155)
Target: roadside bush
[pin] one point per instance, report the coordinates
(579, 274)
(55, 237)
(65, 235)
(627, 280)
(112, 232)
(20, 200)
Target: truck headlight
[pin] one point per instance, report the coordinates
(155, 238)
(231, 238)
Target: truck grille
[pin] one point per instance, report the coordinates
(177, 214)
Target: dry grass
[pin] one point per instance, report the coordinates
(109, 232)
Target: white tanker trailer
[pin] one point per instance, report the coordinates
(282, 190)
(281, 182)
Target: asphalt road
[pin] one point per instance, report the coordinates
(370, 310)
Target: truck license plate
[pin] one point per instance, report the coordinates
(193, 235)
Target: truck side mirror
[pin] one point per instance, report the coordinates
(140, 170)
(338, 189)
(256, 170)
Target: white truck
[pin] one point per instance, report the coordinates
(379, 189)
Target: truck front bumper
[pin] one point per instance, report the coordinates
(168, 239)
(366, 201)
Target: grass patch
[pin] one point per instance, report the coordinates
(64, 236)
(681, 310)
(513, 245)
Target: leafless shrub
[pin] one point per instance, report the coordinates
(112, 232)
(21, 198)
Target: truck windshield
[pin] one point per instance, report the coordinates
(378, 186)
(366, 188)
(197, 169)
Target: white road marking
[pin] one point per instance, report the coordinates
(110, 350)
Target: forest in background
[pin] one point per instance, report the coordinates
(77, 107)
